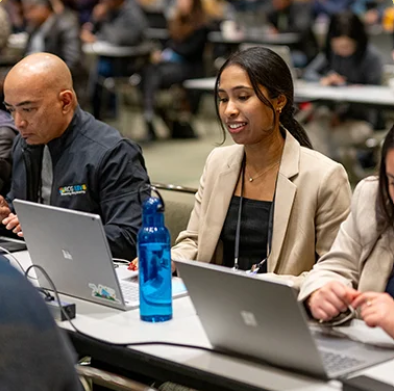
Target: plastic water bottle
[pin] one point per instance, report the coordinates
(154, 263)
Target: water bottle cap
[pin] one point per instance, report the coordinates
(153, 205)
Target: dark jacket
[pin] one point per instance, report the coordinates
(35, 355)
(95, 170)
(123, 27)
(63, 40)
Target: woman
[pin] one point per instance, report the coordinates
(269, 203)
(347, 59)
(358, 270)
(180, 60)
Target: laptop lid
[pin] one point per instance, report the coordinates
(264, 320)
(72, 248)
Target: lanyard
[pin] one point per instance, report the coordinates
(238, 228)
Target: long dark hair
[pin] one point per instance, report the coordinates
(384, 203)
(347, 24)
(266, 68)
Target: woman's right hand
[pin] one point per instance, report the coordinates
(330, 300)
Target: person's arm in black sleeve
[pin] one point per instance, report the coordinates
(122, 176)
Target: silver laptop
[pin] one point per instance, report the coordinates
(72, 248)
(264, 320)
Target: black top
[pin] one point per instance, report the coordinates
(254, 233)
(390, 285)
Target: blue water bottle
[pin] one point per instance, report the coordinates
(154, 263)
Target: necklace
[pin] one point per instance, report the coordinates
(252, 179)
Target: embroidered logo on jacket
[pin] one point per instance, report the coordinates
(73, 190)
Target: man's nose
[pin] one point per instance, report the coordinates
(20, 123)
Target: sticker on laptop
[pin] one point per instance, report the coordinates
(104, 292)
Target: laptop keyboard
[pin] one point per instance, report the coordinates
(130, 291)
(334, 362)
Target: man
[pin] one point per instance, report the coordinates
(64, 157)
(58, 34)
(35, 355)
(120, 22)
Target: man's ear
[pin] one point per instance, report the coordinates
(67, 99)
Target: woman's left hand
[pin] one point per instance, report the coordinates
(377, 310)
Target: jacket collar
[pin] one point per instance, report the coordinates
(289, 165)
(58, 145)
(284, 198)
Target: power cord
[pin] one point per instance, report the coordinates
(124, 344)
(17, 262)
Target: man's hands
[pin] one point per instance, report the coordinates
(10, 220)
(4, 208)
(330, 300)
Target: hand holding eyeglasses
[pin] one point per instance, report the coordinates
(332, 299)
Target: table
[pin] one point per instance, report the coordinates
(194, 368)
(102, 48)
(379, 96)
(257, 37)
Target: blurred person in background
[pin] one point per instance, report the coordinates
(8, 130)
(120, 23)
(15, 15)
(289, 16)
(4, 27)
(58, 34)
(181, 59)
(348, 58)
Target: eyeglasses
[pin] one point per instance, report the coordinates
(341, 319)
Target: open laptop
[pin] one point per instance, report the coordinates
(72, 248)
(263, 319)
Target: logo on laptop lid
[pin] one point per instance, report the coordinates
(67, 255)
(249, 318)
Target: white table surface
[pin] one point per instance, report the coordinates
(102, 48)
(376, 95)
(239, 37)
(125, 327)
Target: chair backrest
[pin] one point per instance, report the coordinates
(179, 202)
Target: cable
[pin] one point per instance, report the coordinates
(120, 344)
(163, 343)
(16, 261)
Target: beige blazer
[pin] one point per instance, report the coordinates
(312, 199)
(360, 256)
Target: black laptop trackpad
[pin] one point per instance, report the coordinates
(11, 245)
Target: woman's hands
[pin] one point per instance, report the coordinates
(330, 300)
(376, 309)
